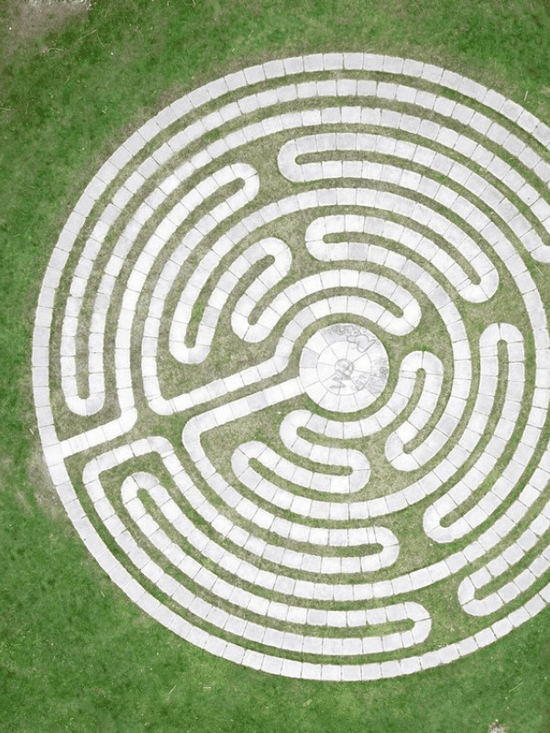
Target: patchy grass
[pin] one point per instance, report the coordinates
(34, 24)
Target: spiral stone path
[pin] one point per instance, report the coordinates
(291, 367)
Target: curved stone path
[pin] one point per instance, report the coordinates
(291, 367)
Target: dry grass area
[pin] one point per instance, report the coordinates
(28, 22)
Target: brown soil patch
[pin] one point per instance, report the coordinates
(31, 21)
(41, 483)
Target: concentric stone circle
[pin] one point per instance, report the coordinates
(291, 367)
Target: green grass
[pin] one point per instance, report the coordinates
(75, 653)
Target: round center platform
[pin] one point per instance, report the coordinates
(344, 367)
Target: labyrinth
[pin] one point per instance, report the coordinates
(291, 367)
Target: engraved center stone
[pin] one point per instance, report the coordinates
(344, 367)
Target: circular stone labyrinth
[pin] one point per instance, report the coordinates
(291, 367)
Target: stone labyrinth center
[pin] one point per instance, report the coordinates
(291, 367)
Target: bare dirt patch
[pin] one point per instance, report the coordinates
(44, 491)
(31, 21)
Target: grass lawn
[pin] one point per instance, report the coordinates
(75, 654)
